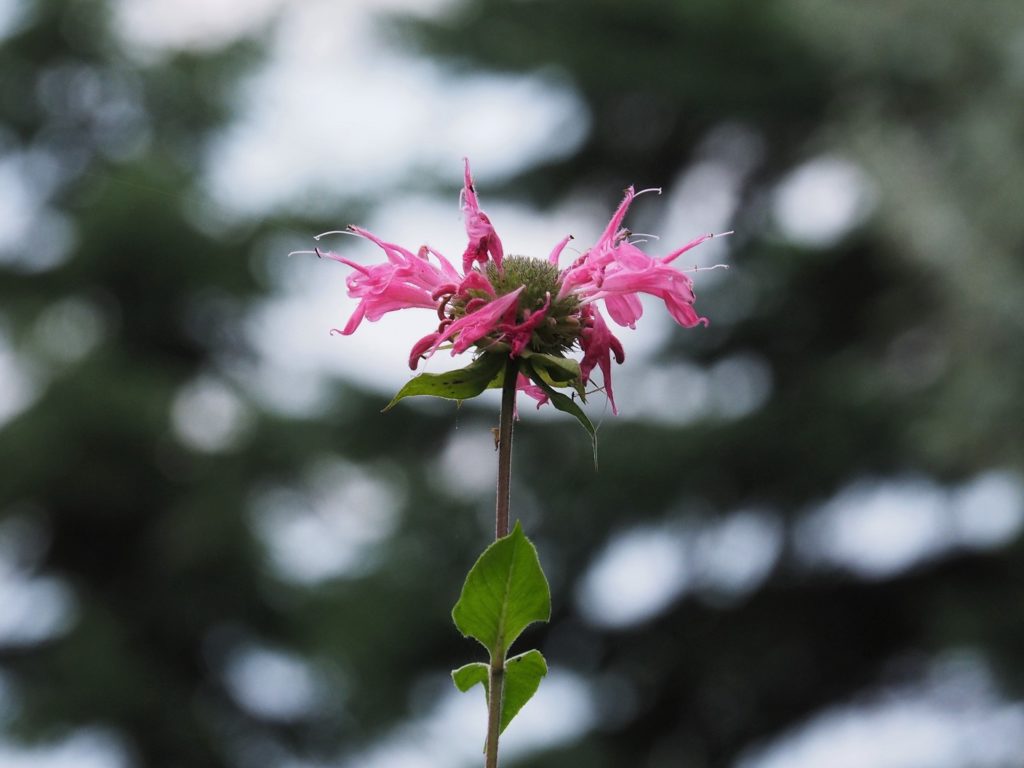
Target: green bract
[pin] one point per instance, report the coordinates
(548, 371)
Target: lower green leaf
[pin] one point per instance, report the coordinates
(523, 674)
(522, 679)
(467, 676)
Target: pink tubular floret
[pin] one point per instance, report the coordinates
(483, 240)
(405, 280)
(519, 336)
(599, 344)
(617, 271)
(420, 348)
(472, 327)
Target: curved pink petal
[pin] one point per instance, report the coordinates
(404, 281)
(470, 328)
(612, 230)
(518, 336)
(419, 349)
(692, 244)
(557, 250)
(528, 388)
(683, 312)
(354, 320)
(619, 290)
(476, 281)
(624, 308)
(395, 253)
(446, 266)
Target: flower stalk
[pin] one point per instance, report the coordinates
(495, 687)
(496, 671)
(508, 409)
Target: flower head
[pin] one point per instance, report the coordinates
(517, 309)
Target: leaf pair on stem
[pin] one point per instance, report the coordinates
(505, 592)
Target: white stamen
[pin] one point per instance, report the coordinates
(723, 234)
(332, 232)
(295, 252)
(645, 234)
(656, 190)
(707, 269)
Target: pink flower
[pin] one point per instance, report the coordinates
(616, 270)
(404, 280)
(519, 307)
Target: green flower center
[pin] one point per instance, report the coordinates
(538, 276)
(560, 329)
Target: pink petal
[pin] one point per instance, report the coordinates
(692, 244)
(557, 250)
(393, 252)
(527, 387)
(476, 281)
(624, 308)
(469, 329)
(404, 281)
(518, 336)
(615, 223)
(419, 349)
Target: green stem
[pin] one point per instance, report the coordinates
(495, 683)
(508, 407)
(496, 674)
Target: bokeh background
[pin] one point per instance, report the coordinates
(803, 547)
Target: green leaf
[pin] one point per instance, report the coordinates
(557, 371)
(505, 592)
(522, 679)
(563, 403)
(465, 677)
(460, 384)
